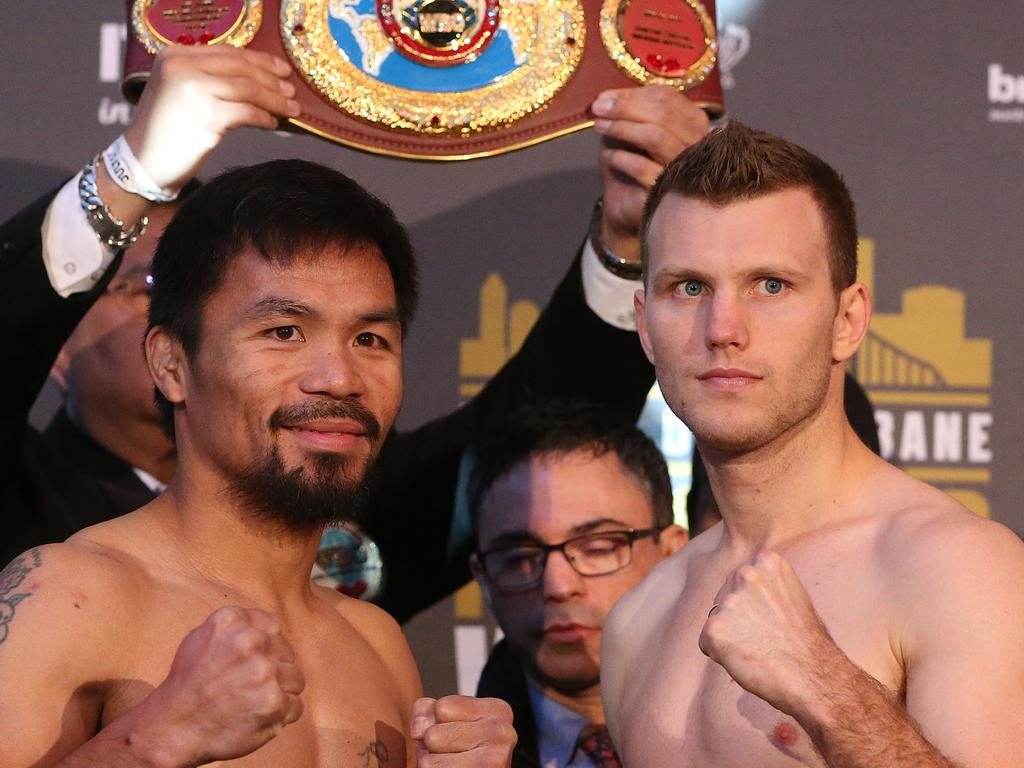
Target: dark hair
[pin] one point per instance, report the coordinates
(555, 428)
(282, 209)
(737, 163)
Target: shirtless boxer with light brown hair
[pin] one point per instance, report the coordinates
(189, 631)
(843, 614)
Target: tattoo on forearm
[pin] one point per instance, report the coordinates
(375, 755)
(11, 578)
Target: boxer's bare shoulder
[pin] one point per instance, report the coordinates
(71, 583)
(945, 563)
(639, 617)
(385, 637)
(66, 612)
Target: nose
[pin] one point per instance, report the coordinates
(561, 581)
(725, 322)
(333, 373)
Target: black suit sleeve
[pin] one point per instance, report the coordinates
(35, 322)
(569, 352)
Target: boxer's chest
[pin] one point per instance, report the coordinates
(353, 712)
(685, 710)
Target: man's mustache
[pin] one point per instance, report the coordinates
(295, 415)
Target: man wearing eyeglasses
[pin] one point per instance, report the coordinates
(571, 508)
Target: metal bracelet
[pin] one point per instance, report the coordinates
(625, 268)
(108, 229)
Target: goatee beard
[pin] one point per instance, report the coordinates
(306, 498)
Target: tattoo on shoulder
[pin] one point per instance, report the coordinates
(11, 578)
(375, 755)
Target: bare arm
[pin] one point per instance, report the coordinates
(68, 617)
(961, 592)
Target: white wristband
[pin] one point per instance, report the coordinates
(128, 173)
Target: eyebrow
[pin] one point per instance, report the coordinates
(276, 306)
(389, 315)
(685, 273)
(529, 537)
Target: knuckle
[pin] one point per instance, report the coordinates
(728, 603)
(297, 709)
(435, 738)
(226, 617)
(269, 620)
(247, 642)
(705, 643)
(507, 734)
(700, 119)
(449, 707)
(274, 708)
(501, 709)
(747, 574)
(300, 680)
(262, 671)
(769, 557)
(423, 706)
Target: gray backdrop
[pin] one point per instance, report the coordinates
(920, 105)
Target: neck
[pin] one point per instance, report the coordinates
(799, 482)
(256, 561)
(139, 443)
(586, 702)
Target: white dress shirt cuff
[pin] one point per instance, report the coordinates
(74, 257)
(609, 296)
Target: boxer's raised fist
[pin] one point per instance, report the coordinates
(232, 687)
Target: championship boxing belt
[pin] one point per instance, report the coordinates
(447, 79)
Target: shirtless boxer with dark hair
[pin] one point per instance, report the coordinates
(189, 631)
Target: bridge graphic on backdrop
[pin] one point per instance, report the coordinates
(880, 363)
(922, 358)
(922, 355)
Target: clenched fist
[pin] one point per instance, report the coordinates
(232, 687)
(463, 731)
(764, 631)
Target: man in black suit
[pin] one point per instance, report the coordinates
(82, 311)
(571, 507)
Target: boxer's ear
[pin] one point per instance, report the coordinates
(851, 322)
(167, 364)
(639, 300)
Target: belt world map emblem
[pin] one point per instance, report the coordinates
(435, 66)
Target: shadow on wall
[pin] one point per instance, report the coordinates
(528, 233)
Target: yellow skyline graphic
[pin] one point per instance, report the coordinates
(502, 330)
(921, 355)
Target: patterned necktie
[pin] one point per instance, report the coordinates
(595, 742)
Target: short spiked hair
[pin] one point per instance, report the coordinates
(736, 163)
